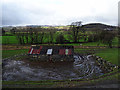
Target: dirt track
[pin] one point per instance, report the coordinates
(15, 47)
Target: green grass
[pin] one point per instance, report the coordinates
(93, 44)
(87, 44)
(13, 40)
(109, 54)
(9, 40)
(115, 41)
(9, 53)
(85, 50)
(0, 39)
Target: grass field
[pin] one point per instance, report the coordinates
(109, 54)
(85, 50)
(9, 40)
(87, 44)
(9, 53)
(115, 41)
(13, 40)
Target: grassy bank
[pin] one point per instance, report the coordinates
(9, 53)
(109, 54)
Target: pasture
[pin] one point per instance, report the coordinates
(110, 55)
(10, 53)
(7, 40)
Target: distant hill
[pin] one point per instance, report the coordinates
(99, 26)
(90, 26)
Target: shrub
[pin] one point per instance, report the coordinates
(60, 39)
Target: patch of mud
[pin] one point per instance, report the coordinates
(82, 67)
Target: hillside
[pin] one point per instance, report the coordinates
(99, 26)
(89, 26)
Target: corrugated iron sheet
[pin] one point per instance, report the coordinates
(38, 52)
(69, 52)
(62, 52)
(43, 50)
(29, 50)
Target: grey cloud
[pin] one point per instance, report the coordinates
(94, 19)
(11, 19)
(107, 19)
(14, 14)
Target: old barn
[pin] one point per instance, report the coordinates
(51, 53)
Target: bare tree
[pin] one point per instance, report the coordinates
(13, 30)
(60, 39)
(36, 34)
(51, 32)
(41, 35)
(74, 30)
(18, 35)
(26, 37)
(3, 31)
(31, 35)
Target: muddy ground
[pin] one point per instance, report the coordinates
(82, 67)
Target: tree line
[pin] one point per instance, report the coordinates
(76, 32)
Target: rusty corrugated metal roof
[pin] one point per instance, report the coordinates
(53, 50)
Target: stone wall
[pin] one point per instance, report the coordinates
(106, 66)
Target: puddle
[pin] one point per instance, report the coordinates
(82, 67)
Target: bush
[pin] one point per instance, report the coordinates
(106, 37)
(90, 38)
(94, 38)
(60, 39)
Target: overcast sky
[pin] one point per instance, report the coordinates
(59, 12)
